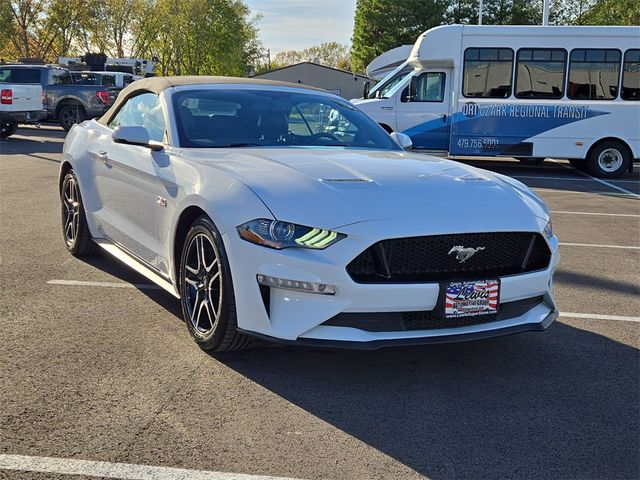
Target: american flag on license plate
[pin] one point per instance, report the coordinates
(471, 298)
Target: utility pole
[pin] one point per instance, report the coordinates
(480, 13)
(269, 58)
(545, 12)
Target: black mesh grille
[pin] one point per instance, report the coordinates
(427, 259)
(427, 320)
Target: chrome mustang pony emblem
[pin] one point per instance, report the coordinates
(464, 253)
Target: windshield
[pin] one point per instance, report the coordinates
(85, 78)
(241, 118)
(384, 88)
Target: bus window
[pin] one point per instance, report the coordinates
(487, 72)
(593, 74)
(430, 87)
(631, 76)
(540, 73)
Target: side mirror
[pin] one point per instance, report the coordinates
(402, 139)
(134, 135)
(366, 89)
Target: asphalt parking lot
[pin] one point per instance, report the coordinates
(94, 368)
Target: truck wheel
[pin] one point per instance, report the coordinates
(7, 129)
(532, 161)
(68, 115)
(610, 159)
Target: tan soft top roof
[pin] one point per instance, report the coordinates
(158, 84)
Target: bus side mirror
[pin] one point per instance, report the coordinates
(366, 89)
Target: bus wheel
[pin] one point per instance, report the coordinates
(609, 159)
(532, 161)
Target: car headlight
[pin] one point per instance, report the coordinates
(279, 235)
(548, 229)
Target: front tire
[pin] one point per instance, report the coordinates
(69, 115)
(75, 231)
(610, 159)
(7, 129)
(206, 290)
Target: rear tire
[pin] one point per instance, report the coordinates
(609, 159)
(75, 231)
(7, 129)
(69, 115)
(531, 161)
(206, 290)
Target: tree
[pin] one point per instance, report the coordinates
(381, 25)
(511, 12)
(189, 36)
(462, 12)
(331, 54)
(612, 12)
(7, 50)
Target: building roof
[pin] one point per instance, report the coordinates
(352, 74)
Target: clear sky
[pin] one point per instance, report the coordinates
(298, 24)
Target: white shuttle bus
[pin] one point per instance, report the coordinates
(529, 92)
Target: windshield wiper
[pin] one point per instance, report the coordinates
(239, 144)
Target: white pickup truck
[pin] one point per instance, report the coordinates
(19, 103)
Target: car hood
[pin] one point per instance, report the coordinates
(334, 187)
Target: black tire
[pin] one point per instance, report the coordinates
(578, 164)
(75, 231)
(209, 289)
(69, 115)
(531, 161)
(7, 129)
(609, 159)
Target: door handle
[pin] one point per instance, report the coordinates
(103, 156)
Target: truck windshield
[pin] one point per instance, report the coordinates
(226, 118)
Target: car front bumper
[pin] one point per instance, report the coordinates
(284, 315)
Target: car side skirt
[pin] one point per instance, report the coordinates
(130, 261)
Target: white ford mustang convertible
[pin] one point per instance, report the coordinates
(284, 213)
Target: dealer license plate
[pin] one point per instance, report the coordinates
(467, 299)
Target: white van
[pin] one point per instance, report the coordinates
(528, 92)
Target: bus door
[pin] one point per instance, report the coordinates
(423, 109)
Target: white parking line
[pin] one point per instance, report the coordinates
(595, 245)
(80, 283)
(599, 180)
(596, 213)
(593, 316)
(570, 179)
(125, 471)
